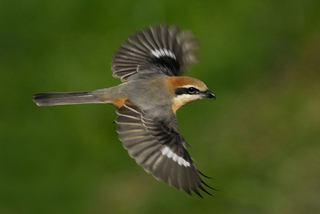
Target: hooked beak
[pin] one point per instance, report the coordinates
(208, 94)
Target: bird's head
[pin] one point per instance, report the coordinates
(186, 90)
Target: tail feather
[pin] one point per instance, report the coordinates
(52, 99)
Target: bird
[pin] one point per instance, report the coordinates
(150, 65)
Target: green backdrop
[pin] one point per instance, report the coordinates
(259, 140)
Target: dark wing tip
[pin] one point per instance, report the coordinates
(204, 175)
(159, 48)
(201, 182)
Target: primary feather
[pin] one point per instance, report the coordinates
(161, 48)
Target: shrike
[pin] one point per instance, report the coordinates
(150, 64)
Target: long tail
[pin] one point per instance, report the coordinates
(52, 99)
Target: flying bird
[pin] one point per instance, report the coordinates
(150, 64)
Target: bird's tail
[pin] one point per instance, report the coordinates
(52, 99)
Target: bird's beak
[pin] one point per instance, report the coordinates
(208, 94)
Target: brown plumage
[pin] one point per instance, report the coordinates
(149, 64)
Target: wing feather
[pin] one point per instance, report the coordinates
(160, 49)
(159, 151)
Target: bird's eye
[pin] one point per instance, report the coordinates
(192, 90)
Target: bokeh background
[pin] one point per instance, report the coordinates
(260, 140)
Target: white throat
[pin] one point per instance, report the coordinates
(183, 99)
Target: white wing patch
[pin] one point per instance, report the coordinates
(170, 154)
(163, 52)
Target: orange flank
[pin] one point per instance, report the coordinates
(118, 103)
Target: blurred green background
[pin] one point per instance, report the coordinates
(260, 140)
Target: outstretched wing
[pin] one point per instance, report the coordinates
(158, 150)
(159, 48)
